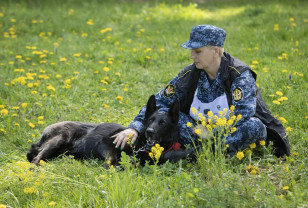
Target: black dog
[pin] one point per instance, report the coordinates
(86, 140)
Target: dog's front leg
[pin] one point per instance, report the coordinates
(176, 155)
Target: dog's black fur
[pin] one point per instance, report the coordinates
(86, 140)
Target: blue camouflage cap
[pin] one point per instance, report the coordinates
(202, 35)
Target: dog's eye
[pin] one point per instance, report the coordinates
(162, 122)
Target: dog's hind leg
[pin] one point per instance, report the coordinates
(50, 149)
(34, 150)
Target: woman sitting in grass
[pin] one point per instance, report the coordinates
(213, 82)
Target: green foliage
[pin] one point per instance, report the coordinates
(97, 61)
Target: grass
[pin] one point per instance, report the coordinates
(99, 61)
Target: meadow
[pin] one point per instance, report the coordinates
(99, 61)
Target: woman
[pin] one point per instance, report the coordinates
(216, 80)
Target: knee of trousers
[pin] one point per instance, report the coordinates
(252, 130)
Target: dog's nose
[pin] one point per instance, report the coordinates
(149, 132)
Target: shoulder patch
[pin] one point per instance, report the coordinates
(237, 94)
(169, 91)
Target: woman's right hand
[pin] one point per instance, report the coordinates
(121, 137)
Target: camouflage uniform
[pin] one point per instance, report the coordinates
(249, 129)
(234, 85)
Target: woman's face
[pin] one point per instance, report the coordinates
(203, 57)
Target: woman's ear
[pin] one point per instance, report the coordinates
(216, 50)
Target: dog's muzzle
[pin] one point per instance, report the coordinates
(149, 134)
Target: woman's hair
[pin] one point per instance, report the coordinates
(221, 50)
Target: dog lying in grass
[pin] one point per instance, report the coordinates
(87, 140)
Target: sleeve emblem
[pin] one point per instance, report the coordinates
(237, 94)
(169, 91)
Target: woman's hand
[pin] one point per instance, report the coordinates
(122, 137)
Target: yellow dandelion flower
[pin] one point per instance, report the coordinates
(29, 190)
(239, 117)
(230, 122)
(198, 132)
(148, 50)
(194, 110)
(90, 22)
(119, 98)
(276, 27)
(4, 112)
(279, 93)
(288, 129)
(285, 187)
(77, 54)
(262, 142)
(240, 155)
(52, 203)
(282, 119)
(104, 81)
(276, 102)
(252, 145)
(283, 98)
(220, 113)
(253, 172)
(63, 59)
(265, 69)
(162, 50)
(50, 87)
(106, 69)
(42, 162)
(232, 108)
(189, 124)
(31, 125)
(209, 127)
(201, 117)
(210, 114)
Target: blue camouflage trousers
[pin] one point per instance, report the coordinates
(249, 131)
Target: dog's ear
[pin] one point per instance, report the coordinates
(174, 111)
(151, 107)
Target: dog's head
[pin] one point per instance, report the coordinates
(160, 127)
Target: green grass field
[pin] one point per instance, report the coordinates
(97, 61)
